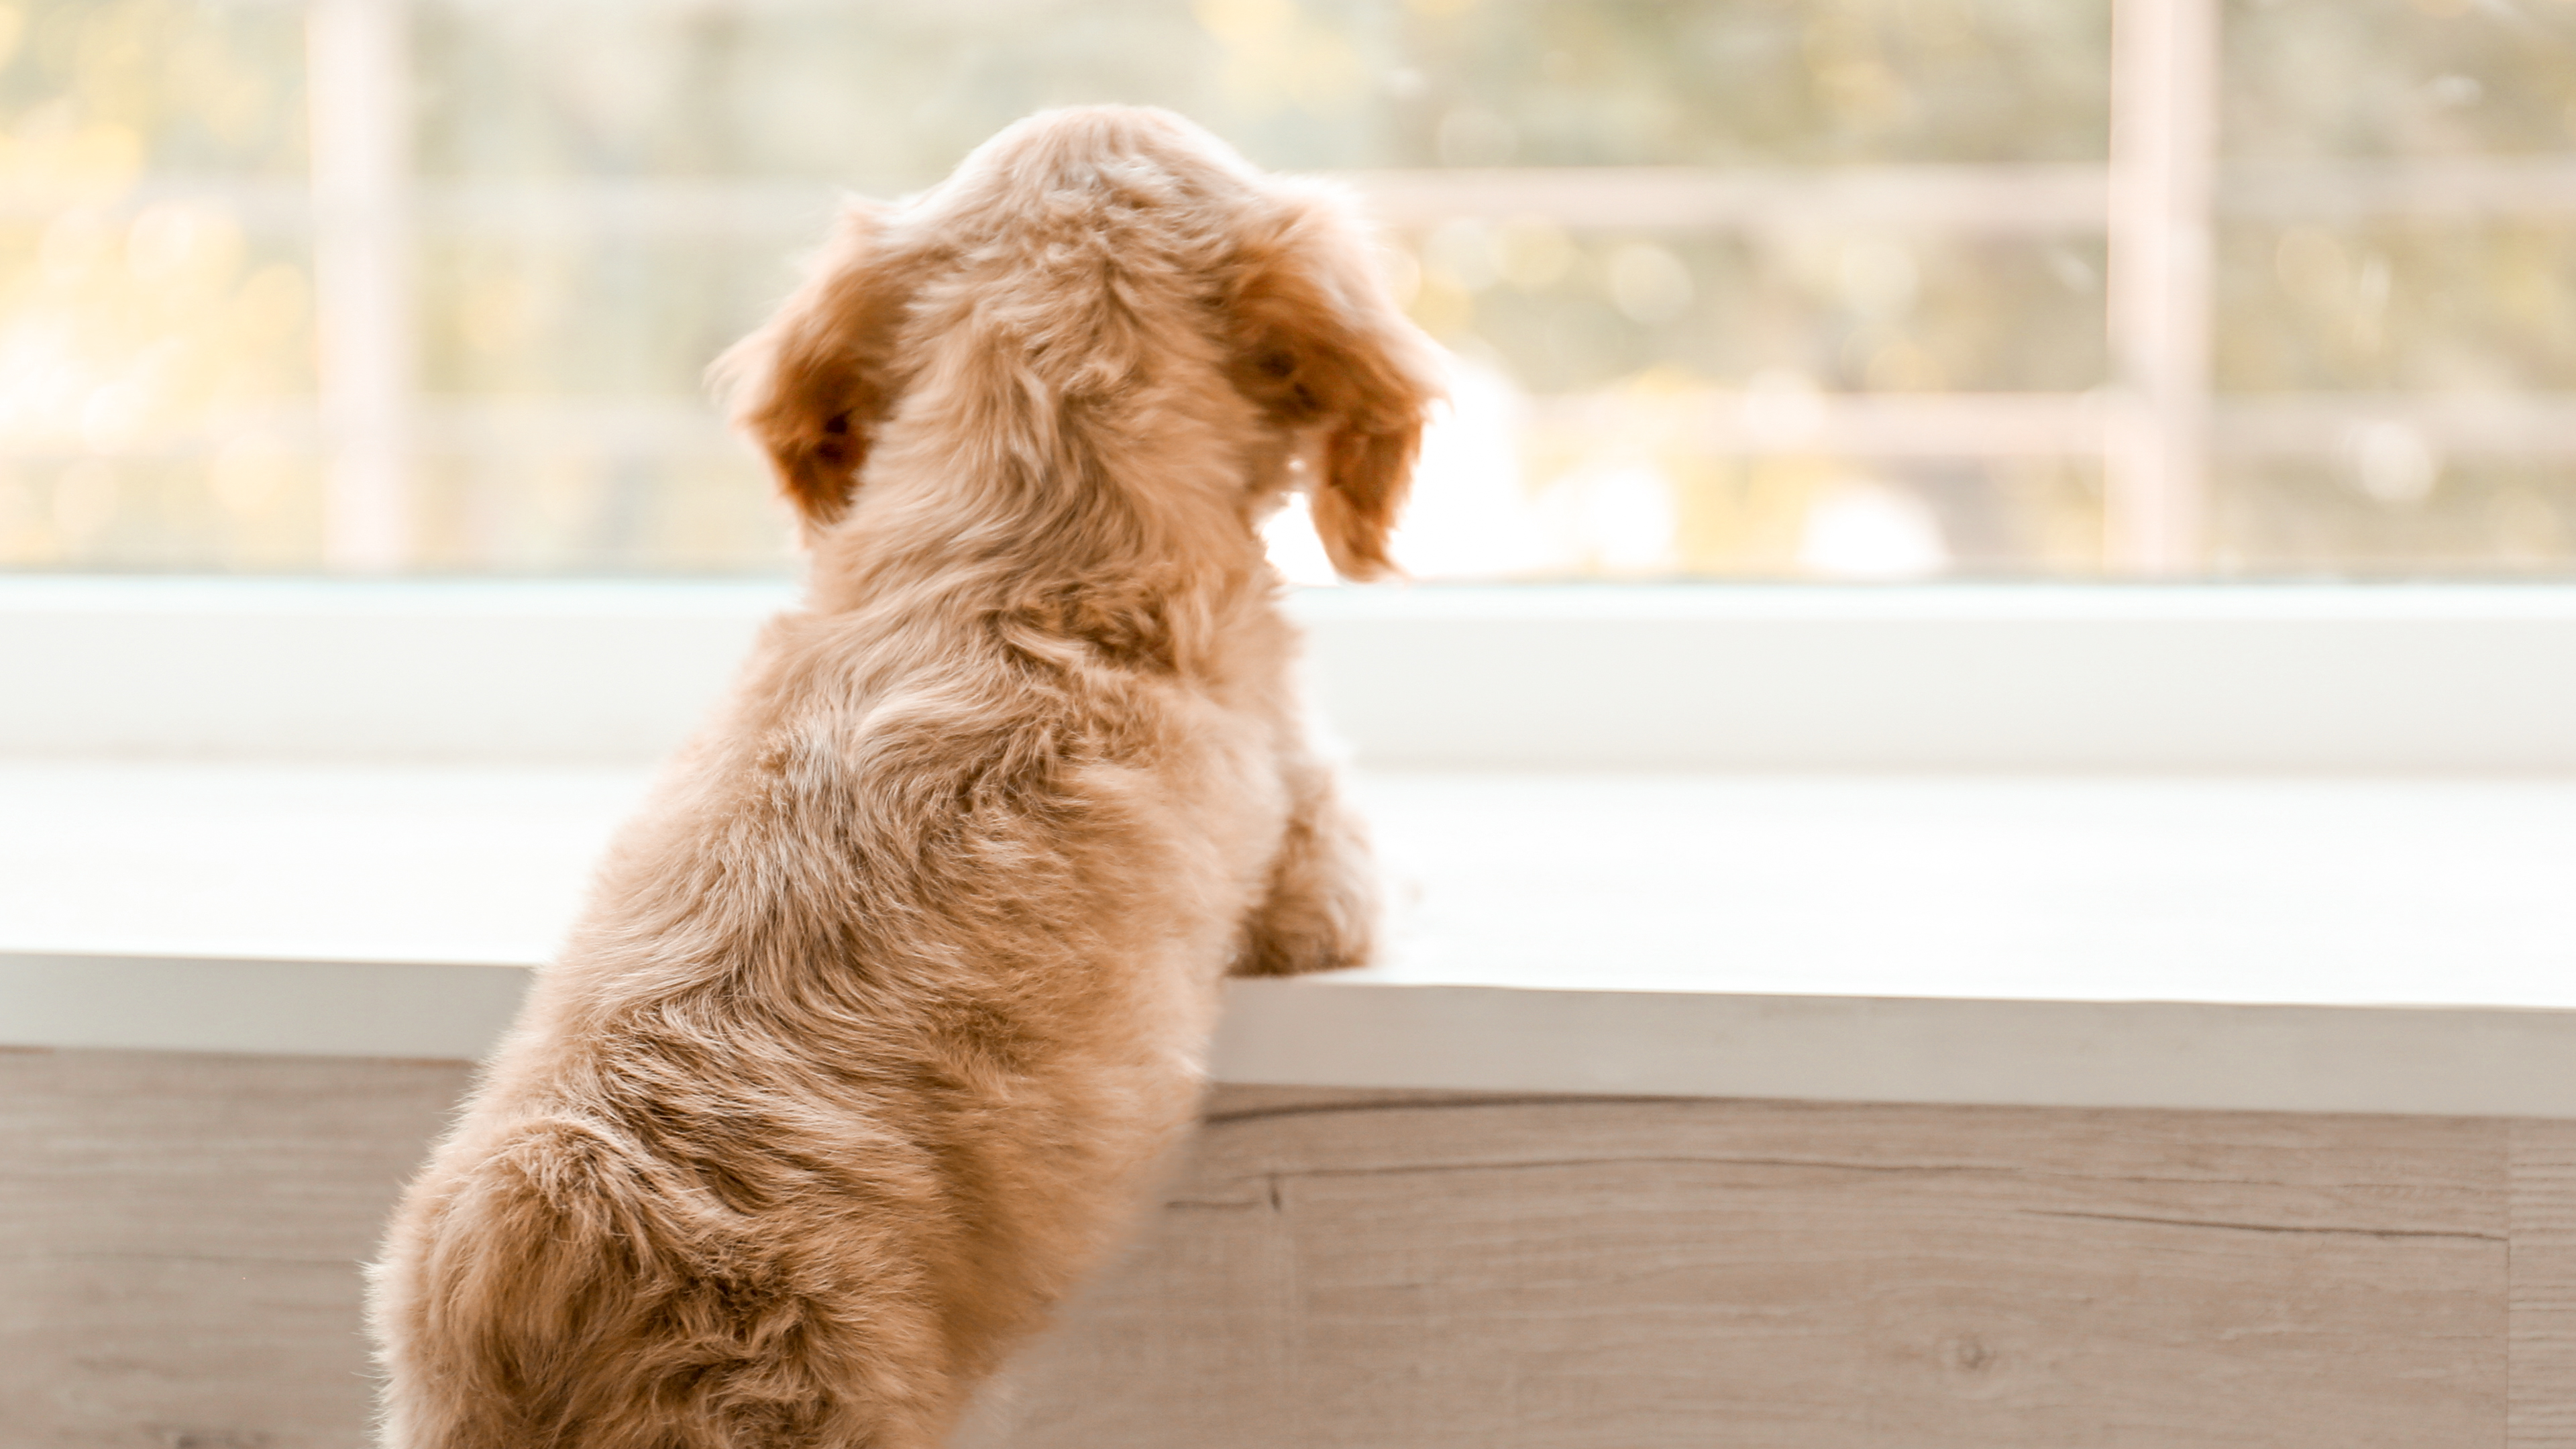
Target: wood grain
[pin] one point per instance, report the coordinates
(180, 1238)
(1630, 1274)
(2542, 1319)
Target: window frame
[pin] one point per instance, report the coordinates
(2163, 678)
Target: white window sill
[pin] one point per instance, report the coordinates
(2379, 945)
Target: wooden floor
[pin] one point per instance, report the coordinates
(179, 1238)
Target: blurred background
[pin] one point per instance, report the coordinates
(1764, 289)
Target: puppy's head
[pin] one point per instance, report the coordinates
(1093, 267)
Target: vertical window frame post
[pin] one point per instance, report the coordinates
(2164, 134)
(358, 78)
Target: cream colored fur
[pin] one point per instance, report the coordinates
(884, 1009)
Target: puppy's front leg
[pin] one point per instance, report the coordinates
(1322, 909)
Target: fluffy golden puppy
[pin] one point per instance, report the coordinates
(883, 1011)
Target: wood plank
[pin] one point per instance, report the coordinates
(180, 1237)
(1633, 1274)
(2542, 1393)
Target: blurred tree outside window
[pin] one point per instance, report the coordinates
(1752, 289)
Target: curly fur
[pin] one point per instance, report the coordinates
(884, 1009)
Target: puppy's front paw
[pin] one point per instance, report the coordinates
(1267, 954)
(1293, 937)
(1321, 911)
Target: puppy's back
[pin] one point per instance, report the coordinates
(838, 1081)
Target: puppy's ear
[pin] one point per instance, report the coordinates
(1320, 343)
(812, 386)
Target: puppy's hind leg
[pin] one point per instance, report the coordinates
(568, 1290)
(1321, 912)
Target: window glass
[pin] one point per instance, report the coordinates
(156, 338)
(1734, 288)
(2395, 291)
(886, 96)
(2389, 79)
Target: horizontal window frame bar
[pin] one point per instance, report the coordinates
(2302, 679)
(1955, 198)
(2000, 199)
(1727, 424)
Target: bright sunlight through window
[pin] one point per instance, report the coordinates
(1832, 289)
